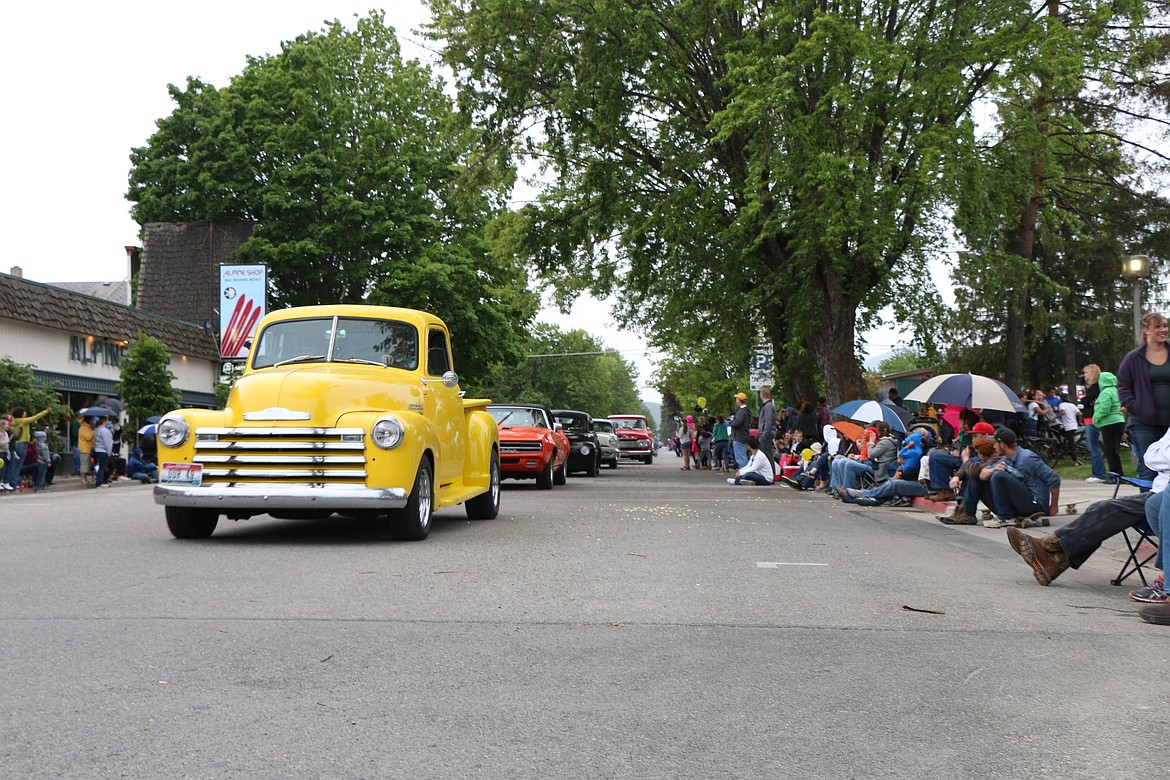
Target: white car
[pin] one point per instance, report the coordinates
(608, 439)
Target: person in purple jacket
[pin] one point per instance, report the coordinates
(1143, 385)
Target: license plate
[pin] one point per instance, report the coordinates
(181, 473)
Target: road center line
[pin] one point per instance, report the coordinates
(778, 564)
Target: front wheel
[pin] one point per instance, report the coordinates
(487, 505)
(613, 463)
(412, 523)
(594, 467)
(191, 523)
(648, 459)
(562, 473)
(544, 480)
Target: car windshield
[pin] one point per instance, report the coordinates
(518, 415)
(635, 424)
(338, 339)
(572, 423)
(603, 425)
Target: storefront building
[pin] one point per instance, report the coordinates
(75, 343)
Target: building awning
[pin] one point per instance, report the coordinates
(68, 383)
(74, 384)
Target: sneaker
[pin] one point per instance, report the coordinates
(900, 501)
(792, 483)
(997, 522)
(1150, 596)
(1157, 586)
(730, 481)
(1096, 481)
(854, 493)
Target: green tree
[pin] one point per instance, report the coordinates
(19, 388)
(363, 181)
(569, 370)
(145, 383)
(1056, 194)
(762, 170)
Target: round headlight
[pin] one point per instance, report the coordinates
(172, 431)
(387, 433)
(586, 449)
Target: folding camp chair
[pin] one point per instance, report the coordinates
(1144, 535)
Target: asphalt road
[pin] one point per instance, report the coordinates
(648, 623)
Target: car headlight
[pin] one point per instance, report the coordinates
(387, 433)
(586, 449)
(173, 431)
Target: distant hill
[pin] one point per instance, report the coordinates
(655, 412)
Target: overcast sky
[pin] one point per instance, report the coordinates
(85, 82)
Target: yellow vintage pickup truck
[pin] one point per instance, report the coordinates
(340, 409)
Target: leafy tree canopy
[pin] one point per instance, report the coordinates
(363, 181)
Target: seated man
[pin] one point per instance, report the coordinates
(758, 470)
(939, 465)
(137, 468)
(965, 483)
(1071, 545)
(1019, 487)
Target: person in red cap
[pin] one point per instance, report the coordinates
(941, 465)
(974, 458)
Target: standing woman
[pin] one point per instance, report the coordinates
(1092, 373)
(1143, 385)
(685, 434)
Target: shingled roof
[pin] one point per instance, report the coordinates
(180, 267)
(53, 307)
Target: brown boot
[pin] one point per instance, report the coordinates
(943, 495)
(1047, 564)
(959, 517)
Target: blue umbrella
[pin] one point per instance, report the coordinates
(97, 411)
(148, 430)
(154, 418)
(867, 411)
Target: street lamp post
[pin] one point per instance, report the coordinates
(1136, 267)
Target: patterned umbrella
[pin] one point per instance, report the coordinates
(969, 390)
(868, 411)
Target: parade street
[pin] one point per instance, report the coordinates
(646, 623)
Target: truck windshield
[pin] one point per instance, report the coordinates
(338, 339)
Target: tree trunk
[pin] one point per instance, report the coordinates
(833, 342)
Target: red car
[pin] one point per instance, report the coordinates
(634, 437)
(532, 445)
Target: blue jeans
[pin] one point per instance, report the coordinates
(758, 479)
(1141, 436)
(12, 470)
(845, 473)
(741, 456)
(1010, 497)
(942, 468)
(890, 489)
(1158, 516)
(101, 465)
(1096, 454)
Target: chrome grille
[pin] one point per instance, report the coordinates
(514, 447)
(285, 456)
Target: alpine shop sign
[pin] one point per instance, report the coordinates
(243, 295)
(760, 369)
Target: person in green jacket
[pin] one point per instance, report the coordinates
(720, 438)
(1107, 417)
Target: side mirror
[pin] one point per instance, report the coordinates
(450, 379)
(558, 427)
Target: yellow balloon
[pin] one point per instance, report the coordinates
(807, 454)
(702, 401)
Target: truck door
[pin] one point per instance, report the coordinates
(446, 406)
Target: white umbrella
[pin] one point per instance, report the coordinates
(970, 390)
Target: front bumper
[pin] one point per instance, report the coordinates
(262, 498)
